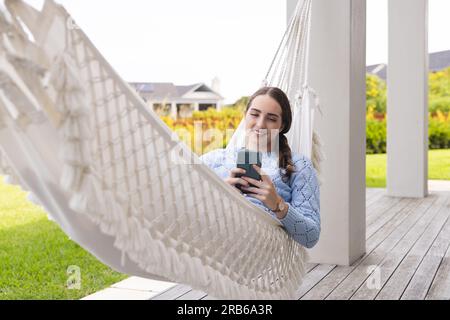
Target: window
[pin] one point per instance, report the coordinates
(206, 106)
(162, 109)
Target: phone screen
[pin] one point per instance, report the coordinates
(245, 160)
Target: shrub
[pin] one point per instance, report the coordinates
(439, 131)
(375, 136)
(439, 104)
(375, 94)
(192, 130)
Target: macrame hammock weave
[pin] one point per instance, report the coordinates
(119, 182)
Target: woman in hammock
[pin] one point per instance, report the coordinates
(289, 188)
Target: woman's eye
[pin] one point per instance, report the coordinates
(273, 120)
(254, 115)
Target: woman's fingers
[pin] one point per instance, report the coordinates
(234, 181)
(256, 196)
(264, 176)
(236, 171)
(255, 182)
(255, 190)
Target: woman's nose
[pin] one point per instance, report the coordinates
(261, 123)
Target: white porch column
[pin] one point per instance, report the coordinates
(196, 106)
(407, 106)
(337, 72)
(173, 110)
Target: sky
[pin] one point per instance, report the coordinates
(192, 41)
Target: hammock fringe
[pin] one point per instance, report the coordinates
(80, 99)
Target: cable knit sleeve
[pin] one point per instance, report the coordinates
(302, 221)
(215, 160)
(211, 158)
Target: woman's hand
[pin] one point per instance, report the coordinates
(233, 180)
(263, 190)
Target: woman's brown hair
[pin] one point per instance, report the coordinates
(285, 155)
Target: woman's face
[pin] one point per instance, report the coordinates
(263, 122)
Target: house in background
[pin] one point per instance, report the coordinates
(167, 99)
(437, 61)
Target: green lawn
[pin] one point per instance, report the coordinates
(35, 254)
(438, 167)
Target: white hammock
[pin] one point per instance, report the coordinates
(116, 178)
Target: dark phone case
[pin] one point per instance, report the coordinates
(245, 160)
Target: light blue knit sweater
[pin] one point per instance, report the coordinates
(301, 193)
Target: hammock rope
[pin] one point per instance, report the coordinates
(114, 176)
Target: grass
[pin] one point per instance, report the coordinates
(376, 171)
(439, 164)
(35, 254)
(438, 167)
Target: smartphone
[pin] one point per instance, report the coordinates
(245, 160)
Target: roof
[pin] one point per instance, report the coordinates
(168, 90)
(438, 61)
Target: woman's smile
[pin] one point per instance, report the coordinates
(259, 132)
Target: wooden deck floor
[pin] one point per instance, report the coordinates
(407, 255)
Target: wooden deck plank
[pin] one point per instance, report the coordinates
(310, 266)
(370, 193)
(374, 200)
(208, 297)
(421, 281)
(351, 278)
(440, 288)
(384, 204)
(374, 195)
(378, 240)
(193, 295)
(408, 233)
(406, 237)
(173, 293)
(403, 216)
(409, 251)
(384, 217)
(313, 277)
(360, 276)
